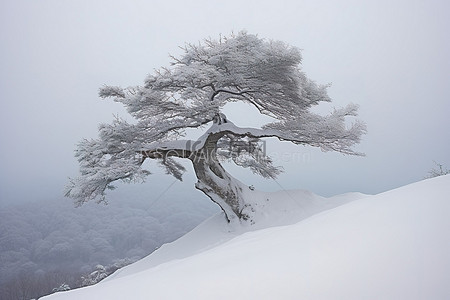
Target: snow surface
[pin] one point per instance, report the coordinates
(394, 245)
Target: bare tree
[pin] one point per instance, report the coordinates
(190, 94)
(439, 170)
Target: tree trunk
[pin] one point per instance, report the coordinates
(216, 183)
(213, 180)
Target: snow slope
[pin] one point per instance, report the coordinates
(394, 245)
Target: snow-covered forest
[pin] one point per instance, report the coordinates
(48, 243)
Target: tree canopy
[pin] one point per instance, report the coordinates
(191, 93)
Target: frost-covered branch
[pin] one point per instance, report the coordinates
(326, 132)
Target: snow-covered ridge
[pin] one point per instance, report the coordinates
(275, 209)
(393, 245)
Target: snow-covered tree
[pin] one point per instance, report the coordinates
(63, 287)
(96, 276)
(190, 94)
(102, 272)
(439, 170)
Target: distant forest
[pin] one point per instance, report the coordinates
(44, 245)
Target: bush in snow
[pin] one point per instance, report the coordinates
(102, 272)
(94, 277)
(63, 287)
(439, 170)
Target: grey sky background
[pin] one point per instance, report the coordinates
(390, 57)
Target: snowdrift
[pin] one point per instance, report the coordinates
(394, 245)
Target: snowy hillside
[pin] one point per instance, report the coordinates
(394, 245)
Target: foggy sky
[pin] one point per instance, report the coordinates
(390, 57)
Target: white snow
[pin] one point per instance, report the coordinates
(394, 245)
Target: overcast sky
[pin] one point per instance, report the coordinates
(390, 57)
